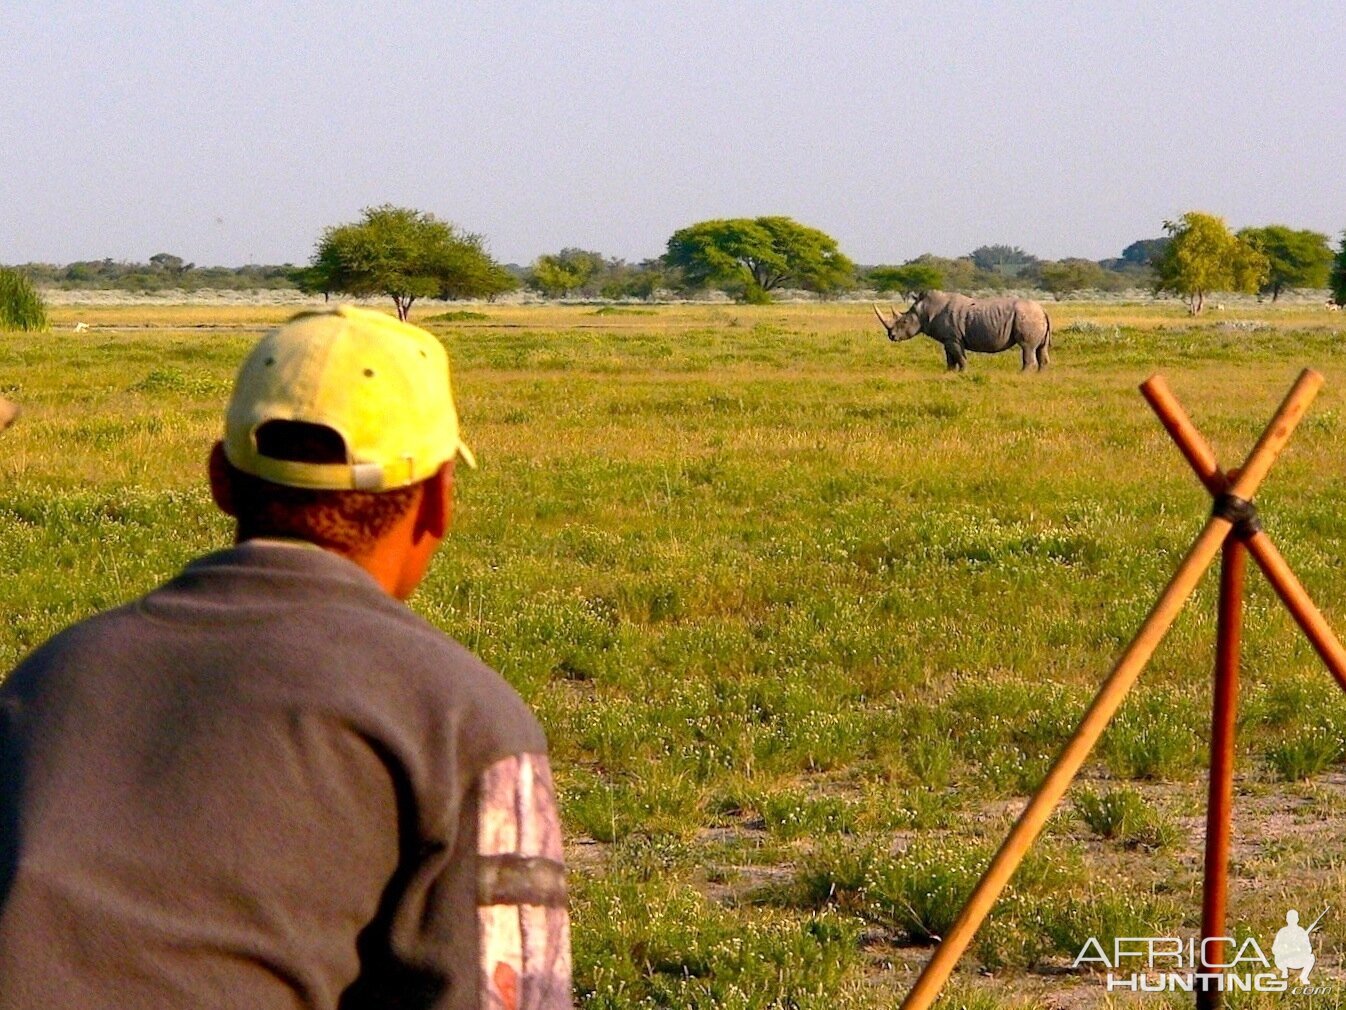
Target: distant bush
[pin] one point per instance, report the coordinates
(21, 307)
(617, 310)
(459, 316)
(163, 272)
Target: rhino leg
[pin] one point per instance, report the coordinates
(954, 358)
(1028, 357)
(1044, 354)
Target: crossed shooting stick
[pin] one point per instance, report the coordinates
(1232, 531)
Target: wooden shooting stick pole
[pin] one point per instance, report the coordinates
(1283, 580)
(1220, 793)
(1109, 697)
(1219, 808)
(1224, 696)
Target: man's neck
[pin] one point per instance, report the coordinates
(283, 542)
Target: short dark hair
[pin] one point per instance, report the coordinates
(348, 522)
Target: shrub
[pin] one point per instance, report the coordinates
(836, 875)
(920, 892)
(1305, 752)
(21, 307)
(1152, 739)
(931, 761)
(1070, 922)
(1124, 816)
(755, 294)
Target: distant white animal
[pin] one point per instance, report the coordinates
(1219, 306)
(1333, 307)
(81, 327)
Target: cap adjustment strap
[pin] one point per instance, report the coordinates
(367, 476)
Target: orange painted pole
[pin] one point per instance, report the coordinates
(1283, 580)
(1220, 793)
(1106, 702)
(1276, 434)
(1184, 433)
(1301, 606)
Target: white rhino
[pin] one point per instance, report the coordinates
(963, 324)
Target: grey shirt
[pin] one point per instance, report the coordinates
(269, 784)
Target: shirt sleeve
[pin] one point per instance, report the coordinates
(480, 924)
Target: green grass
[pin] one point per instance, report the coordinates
(804, 617)
(1305, 752)
(1124, 816)
(21, 307)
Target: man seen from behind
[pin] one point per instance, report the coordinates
(268, 783)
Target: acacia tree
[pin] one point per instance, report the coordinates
(1338, 278)
(1007, 260)
(559, 274)
(1205, 256)
(466, 270)
(633, 280)
(754, 256)
(959, 274)
(911, 278)
(169, 264)
(405, 254)
(1295, 259)
(1067, 275)
(1145, 251)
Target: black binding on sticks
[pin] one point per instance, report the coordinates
(1239, 511)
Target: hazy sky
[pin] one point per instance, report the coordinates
(229, 133)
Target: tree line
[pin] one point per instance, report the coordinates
(163, 271)
(406, 254)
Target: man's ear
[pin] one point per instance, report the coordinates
(436, 505)
(221, 488)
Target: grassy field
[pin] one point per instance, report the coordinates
(804, 617)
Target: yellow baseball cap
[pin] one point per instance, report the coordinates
(380, 384)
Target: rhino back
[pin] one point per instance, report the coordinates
(942, 314)
(930, 306)
(987, 325)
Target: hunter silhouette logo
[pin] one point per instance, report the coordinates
(1292, 948)
(1220, 963)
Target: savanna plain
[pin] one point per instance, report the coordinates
(805, 618)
